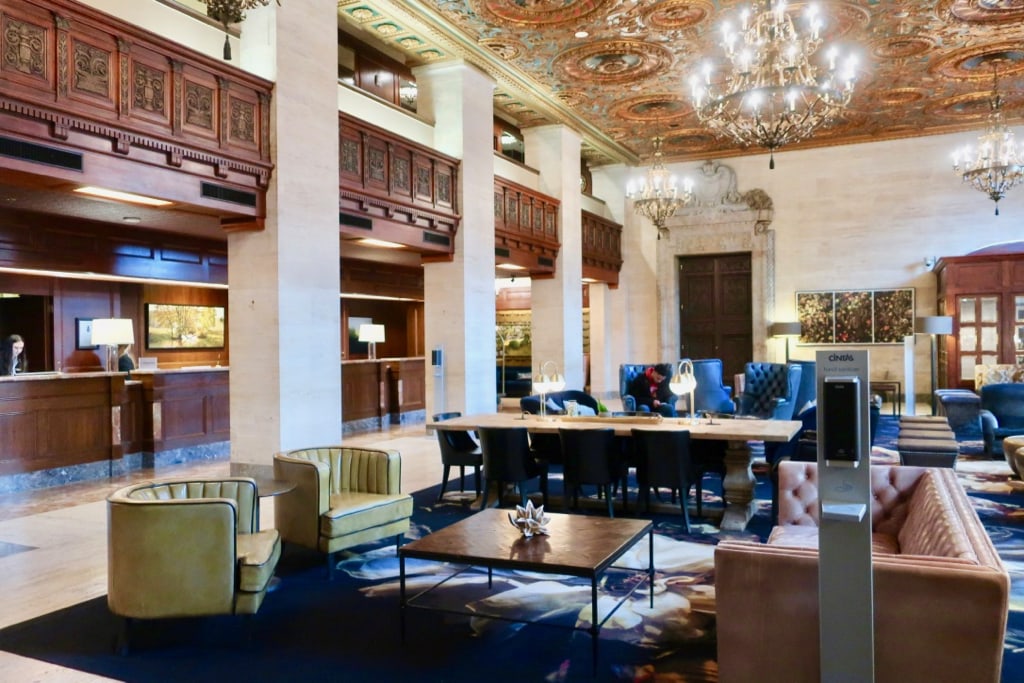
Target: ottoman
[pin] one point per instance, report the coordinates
(927, 452)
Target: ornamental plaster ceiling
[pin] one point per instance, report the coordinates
(925, 67)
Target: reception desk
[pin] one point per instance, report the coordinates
(57, 428)
(380, 392)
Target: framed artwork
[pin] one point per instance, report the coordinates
(83, 334)
(874, 316)
(184, 326)
(354, 345)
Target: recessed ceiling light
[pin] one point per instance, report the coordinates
(582, 33)
(131, 219)
(510, 266)
(121, 196)
(383, 244)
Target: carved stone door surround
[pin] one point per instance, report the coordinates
(720, 220)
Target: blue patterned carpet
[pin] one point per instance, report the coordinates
(348, 629)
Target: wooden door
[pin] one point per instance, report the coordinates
(715, 310)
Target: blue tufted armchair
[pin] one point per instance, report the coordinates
(1002, 413)
(627, 371)
(770, 390)
(711, 394)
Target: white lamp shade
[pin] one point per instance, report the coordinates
(934, 324)
(112, 331)
(370, 332)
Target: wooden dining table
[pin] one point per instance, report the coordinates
(736, 432)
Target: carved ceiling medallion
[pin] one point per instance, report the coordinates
(536, 12)
(902, 47)
(1002, 11)
(679, 14)
(504, 48)
(901, 96)
(612, 61)
(977, 61)
(652, 109)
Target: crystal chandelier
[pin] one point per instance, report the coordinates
(657, 197)
(773, 95)
(998, 164)
(231, 12)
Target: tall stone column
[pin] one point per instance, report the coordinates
(556, 324)
(284, 282)
(459, 295)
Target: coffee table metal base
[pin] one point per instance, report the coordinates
(487, 540)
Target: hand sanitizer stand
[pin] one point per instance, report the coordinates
(845, 588)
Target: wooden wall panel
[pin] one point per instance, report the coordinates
(360, 390)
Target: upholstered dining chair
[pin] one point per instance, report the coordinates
(711, 395)
(592, 457)
(662, 458)
(458, 449)
(187, 548)
(507, 459)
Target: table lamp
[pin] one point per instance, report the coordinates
(683, 381)
(111, 332)
(370, 333)
(543, 382)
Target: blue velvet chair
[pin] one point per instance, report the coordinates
(627, 371)
(711, 394)
(770, 390)
(807, 392)
(1002, 413)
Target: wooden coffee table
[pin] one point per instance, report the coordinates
(577, 545)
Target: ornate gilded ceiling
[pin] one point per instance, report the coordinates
(925, 67)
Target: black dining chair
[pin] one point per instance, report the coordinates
(592, 457)
(662, 458)
(507, 459)
(458, 449)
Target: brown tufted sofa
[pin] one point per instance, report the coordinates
(187, 548)
(941, 591)
(343, 497)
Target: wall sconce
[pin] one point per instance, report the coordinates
(787, 330)
(544, 382)
(933, 326)
(111, 332)
(370, 333)
(685, 382)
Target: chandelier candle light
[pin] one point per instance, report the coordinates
(657, 197)
(773, 95)
(998, 164)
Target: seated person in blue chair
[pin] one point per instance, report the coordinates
(651, 392)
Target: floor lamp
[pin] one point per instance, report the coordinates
(786, 330)
(933, 326)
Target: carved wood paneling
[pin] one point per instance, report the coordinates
(525, 227)
(399, 190)
(75, 76)
(602, 248)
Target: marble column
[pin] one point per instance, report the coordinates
(284, 322)
(459, 295)
(556, 323)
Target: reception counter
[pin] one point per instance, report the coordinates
(380, 392)
(60, 428)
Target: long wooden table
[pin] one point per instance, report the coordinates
(738, 485)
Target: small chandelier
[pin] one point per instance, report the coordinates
(773, 95)
(998, 164)
(231, 12)
(657, 196)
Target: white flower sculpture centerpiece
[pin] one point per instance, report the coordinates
(529, 520)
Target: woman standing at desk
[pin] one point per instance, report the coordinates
(12, 356)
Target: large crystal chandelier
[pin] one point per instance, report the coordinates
(774, 94)
(657, 196)
(998, 164)
(231, 12)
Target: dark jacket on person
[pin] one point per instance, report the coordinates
(640, 389)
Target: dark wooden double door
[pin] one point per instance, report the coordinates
(715, 310)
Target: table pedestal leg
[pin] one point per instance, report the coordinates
(738, 487)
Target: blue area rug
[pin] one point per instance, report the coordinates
(348, 629)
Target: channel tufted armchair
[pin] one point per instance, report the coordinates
(770, 390)
(343, 497)
(187, 548)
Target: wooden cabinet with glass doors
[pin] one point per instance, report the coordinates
(984, 292)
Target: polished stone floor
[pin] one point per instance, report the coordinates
(53, 542)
